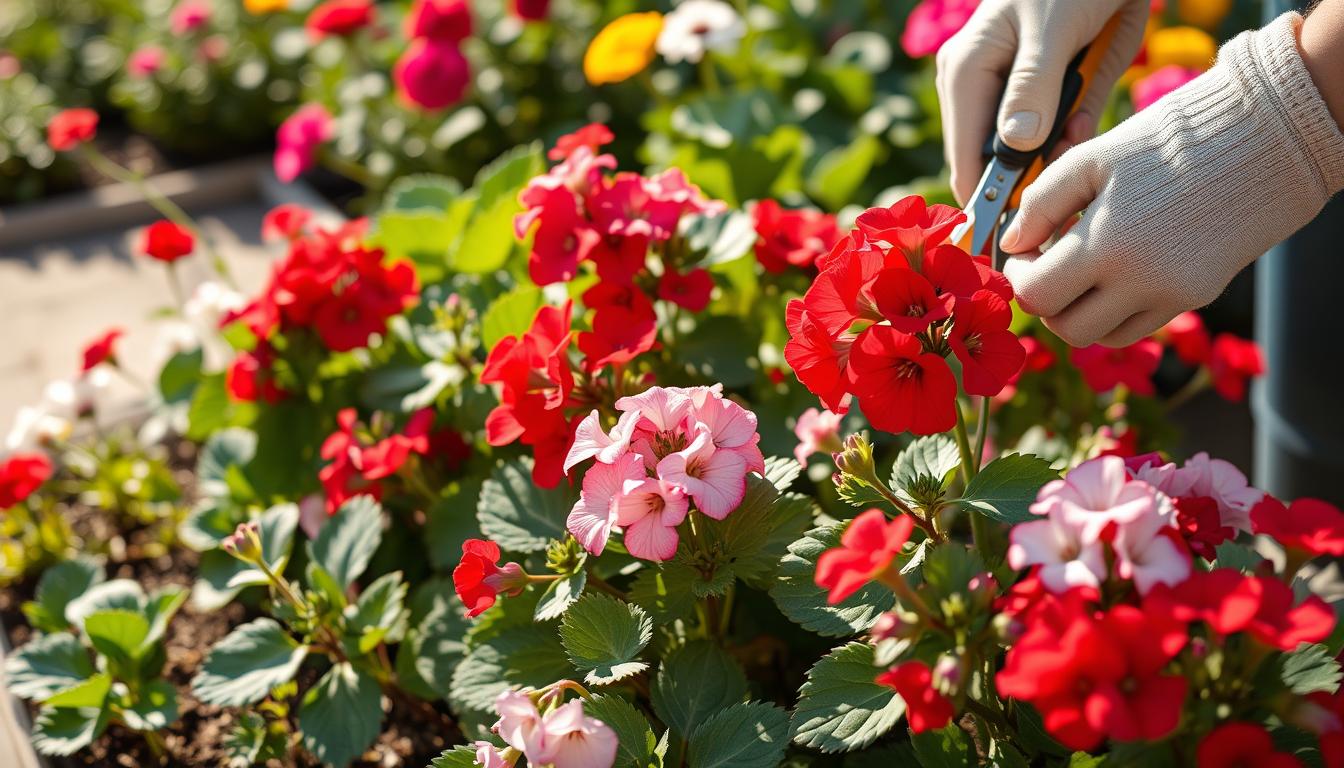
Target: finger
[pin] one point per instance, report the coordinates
(1124, 46)
(1140, 325)
(1046, 283)
(1094, 315)
(1063, 189)
(970, 77)
(1080, 127)
(1031, 93)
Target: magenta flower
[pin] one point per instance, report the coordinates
(298, 139)
(144, 61)
(432, 74)
(1147, 90)
(932, 23)
(189, 16)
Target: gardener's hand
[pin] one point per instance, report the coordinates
(1020, 49)
(1180, 197)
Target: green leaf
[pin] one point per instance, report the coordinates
(341, 715)
(160, 608)
(50, 663)
(421, 191)
(840, 708)
(117, 594)
(1005, 488)
(178, 377)
(664, 591)
(781, 471)
(637, 742)
(925, 465)
(838, 173)
(88, 693)
(348, 539)
(722, 238)
(243, 667)
(799, 598)
(154, 709)
(603, 637)
(508, 173)
(694, 682)
(510, 315)
(516, 657)
(59, 585)
(119, 635)
(379, 615)
(233, 447)
(66, 730)
(488, 238)
(560, 595)
(433, 645)
(408, 388)
(211, 410)
(516, 513)
(1311, 669)
(455, 757)
(722, 348)
(949, 747)
(948, 569)
(746, 735)
(1031, 731)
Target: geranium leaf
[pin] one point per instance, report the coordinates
(603, 637)
(694, 682)
(43, 666)
(798, 596)
(949, 747)
(457, 757)
(519, 656)
(379, 615)
(59, 585)
(87, 693)
(510, 314)
(243, 667)
(560, 595)
(665, 591)
(341, 715)
(922, 468)
(516, 513)
(348, 539)
(66, 730)
(1310, 669)
(155, 707)
(637, 742)
(233, 447)
(745, 735)
(1005, 488)
(118, 635)
(840, 708)
(782, 471)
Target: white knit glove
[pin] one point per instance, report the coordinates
(1019, 49)
(1180, 197)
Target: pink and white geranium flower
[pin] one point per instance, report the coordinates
(564, 737)
(818, 432)
(669, 447)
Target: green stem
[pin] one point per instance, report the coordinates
(1197, 383)
(981, 432)
(604, 585)
(708, 77)
(980, 532)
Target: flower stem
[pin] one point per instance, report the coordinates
(980, 533)
(981, 433)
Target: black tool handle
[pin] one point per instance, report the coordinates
(1070, 91)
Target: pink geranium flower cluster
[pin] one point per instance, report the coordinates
(671, 446)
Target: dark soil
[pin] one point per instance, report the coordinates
(413, 732)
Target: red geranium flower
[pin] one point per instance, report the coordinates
(563, 238)
(432, 74)
(593, 136)
(908, 301)
(69, 128)
(531, 10)
(102, 349)
(1281, 624)
(867, 548)
(911, 225)
(1229, 602)
(925, 708)
(618, 336)
(1307, 525)
(900, 386)
(20, 475)
(167, 242)
(1093, 676)
(1242, 745)
(787, 237)
(837, 297)
(339, 17)
(1201, 525)
(478, 578)
(1234, 361)
(690, 291)
(1187, 335)
(817, 358)
(1104, 368)
(447, 20)
(1039, 356)
(953, 272)
(990, 354)
(250, 377)
(285, 222)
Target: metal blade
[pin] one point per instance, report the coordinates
(991, 197)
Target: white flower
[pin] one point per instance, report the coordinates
(697, 26)
(174, 337)
(207, 307)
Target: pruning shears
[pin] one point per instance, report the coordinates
(1009, 171)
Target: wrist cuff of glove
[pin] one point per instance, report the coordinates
(1271, 62)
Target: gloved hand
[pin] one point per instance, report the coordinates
(1180, 197)
(1030, 43)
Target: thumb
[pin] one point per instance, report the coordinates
(1031, 96)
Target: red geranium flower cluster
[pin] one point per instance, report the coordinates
(1309, 527)
(581, 214)
(167, 242)
(329, 282)
(792, 238)
(20, 475)
(432, 73)
(70, 128)
(925, 708)
(357, 467)
(868, 547)
(892, 301)
(1231, 361)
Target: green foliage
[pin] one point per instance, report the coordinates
(1005, 488)
(243, 667)
(922, 470)
(347, 540)
(799, 598)
(637, 742)
(745, 735)
(560, 595)
(1310, 669)
(603, 637)
(948, 747)
(59, 585)
(840, 708)
(693, 683)
(519, 515)
(341, 715)
(516, 657)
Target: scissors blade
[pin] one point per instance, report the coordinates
(991, 197)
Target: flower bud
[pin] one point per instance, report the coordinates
(510, 579)
(856, 459)
(1008, 628)
(895, 625)
(244, 543)
(983, 588)
(949, 672)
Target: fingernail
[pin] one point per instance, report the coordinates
(1010, 236)
(1021, 126)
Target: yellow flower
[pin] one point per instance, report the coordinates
(1204, 13)
(259, 7)
(1183, 46)
(623, 48)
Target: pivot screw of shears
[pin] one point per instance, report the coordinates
(992, 194)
